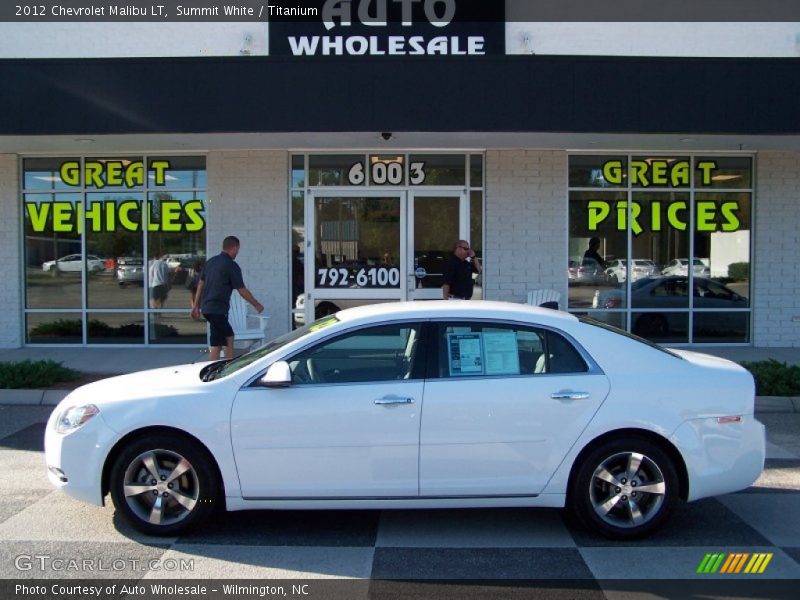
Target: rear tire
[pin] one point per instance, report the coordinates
(624, 489)
(164, 484)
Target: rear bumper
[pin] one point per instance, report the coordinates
(721, 457)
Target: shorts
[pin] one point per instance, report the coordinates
(220, 329)
(159, 292)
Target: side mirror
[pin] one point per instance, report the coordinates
(278, 375)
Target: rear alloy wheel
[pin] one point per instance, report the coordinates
(625, 489)
(165, 484)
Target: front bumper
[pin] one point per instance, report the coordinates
(721, 457)
(75, 460)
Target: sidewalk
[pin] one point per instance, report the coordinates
(95, 361)
(118, 361)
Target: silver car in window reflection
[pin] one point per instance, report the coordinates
(672, 293)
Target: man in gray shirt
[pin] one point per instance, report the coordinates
(220, 277)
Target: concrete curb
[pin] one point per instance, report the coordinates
(778, 404)
(32, 397)
(764, 404)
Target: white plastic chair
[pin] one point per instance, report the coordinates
(545, 298)
(250, 328)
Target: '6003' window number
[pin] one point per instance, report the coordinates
(386, 173)
(363, 278)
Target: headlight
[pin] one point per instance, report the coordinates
(72, 418)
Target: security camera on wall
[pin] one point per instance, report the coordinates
(386, 135)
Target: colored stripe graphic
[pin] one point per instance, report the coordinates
(734, 563)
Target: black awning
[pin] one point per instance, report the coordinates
(498, 94)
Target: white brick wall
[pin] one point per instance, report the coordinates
(526, 223)
(247, 197)
(776, 280)
(10, 293)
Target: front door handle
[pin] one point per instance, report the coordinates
(569, 395)
(395, 400)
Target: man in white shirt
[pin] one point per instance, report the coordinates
(158, 273)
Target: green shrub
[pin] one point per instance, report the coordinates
(739, 271)
(34, 374)
(775, 378)
(58, 328)
(62, 328)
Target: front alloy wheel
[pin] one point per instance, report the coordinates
(625, 489)
(163, 485)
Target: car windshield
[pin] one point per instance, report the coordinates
(223, 368)
(617, 330)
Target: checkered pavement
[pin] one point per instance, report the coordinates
(496, 544)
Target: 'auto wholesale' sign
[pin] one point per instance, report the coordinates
(389, 28)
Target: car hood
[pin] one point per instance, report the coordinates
(180, 379)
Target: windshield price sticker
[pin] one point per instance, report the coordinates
(382, 172)
(373, 277)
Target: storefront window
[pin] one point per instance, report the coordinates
(597, 242)
(438, 169)
(476, 171)
(298, 171)
(687, 276)
(53, 251)
(87, 251)
(336, 169)
(44, 174)
(598, 171)
(119, 245)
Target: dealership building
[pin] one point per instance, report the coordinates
(349, 152)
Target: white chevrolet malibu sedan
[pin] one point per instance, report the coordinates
(417, 405)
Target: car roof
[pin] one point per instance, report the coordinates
(458, 309)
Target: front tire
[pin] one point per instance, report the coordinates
(164, 484)
(624, 489)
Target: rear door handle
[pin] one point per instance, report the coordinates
(395, 400)
(569, 395)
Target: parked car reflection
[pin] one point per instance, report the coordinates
(640, 267)
(73, 263)
(130, 269)
(586, 272)
(672, 293)
(680, 266)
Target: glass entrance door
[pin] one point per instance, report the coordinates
(354, 250)
(365, 248)
(437, 220)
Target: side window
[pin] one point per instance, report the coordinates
(717, 291)
(482, 349)
(562, 356)
(385, 353)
